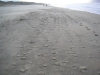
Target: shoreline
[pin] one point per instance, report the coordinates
(4, 3)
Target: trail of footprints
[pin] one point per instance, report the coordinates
(45, 65)
(23, 57)
(89, 29)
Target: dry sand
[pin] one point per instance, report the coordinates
(50, 41)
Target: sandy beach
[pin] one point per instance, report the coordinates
(44, 40)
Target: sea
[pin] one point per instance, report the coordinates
(88, 7)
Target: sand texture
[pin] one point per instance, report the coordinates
(50, 41)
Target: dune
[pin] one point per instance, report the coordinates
(49, 41)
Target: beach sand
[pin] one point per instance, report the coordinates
(49, 41)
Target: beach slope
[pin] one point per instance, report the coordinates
(50, 41)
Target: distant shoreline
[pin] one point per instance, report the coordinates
(3, 3)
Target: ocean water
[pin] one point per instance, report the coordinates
(89, 7)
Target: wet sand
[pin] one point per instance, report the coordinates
(49, 41)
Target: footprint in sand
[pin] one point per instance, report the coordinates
(23, 58)
(96, 34)
(22, 70)
(44, 65)
(21, 19)
(54, 58)
(81, 24)
(82, 68)
(54, 52)
(87, 28)
(31, 42)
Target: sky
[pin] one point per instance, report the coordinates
(55, 2)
